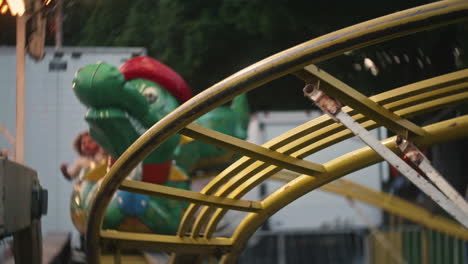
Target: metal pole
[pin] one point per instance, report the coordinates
(20, 62)
(414, 155)
(333, 109)
(403, 167)
(58, 23)
(281, 250)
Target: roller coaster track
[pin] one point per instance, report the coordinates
(387, 202)
(195, 238)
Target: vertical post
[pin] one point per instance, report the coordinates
(281, 249)
(20, 83)
(58, 23)
(118, 255)
(424, 246)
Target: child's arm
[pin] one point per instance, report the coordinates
(72, 172)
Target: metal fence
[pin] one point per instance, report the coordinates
(334, 247)
(403, 244)
(416, 245)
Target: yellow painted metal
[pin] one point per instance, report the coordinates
(397, 99)
(211, 188)
(134, 259)
(165, 243)
(378, 251)
(435, 104)
(397, 206)
(452, 129)
(335, 137)
(251, 150)
(243, 185)
(327, 136)
(189, 196)
(254, 172)
(393, 100)
(422, 87)
(357, 101)
(313, 142)
(226, 182)
(416, 99)
(388, 203)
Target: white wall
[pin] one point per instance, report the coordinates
(53, 117)
(318, 209)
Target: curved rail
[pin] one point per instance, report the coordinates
(437, 133)
(322, 132)
(297, 143)
(389, 203)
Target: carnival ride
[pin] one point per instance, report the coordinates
(122, 103)
(195, 239)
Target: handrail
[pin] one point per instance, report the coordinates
(358, 36)
(441, 132)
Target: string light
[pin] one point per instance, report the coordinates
(4, 9)
(369, 64)
(16, 7)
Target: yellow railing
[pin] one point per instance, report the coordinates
(225, 191)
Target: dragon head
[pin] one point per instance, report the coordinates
(124, 102)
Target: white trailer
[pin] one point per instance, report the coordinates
(53, 116)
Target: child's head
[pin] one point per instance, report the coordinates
(85, 145)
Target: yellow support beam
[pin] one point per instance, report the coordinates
(397, 206)
(166, 243)
(189, 196)
(443, 91)
(251, 150)
(359, 102)
(224, 177)
(335, 132)
(388, 203)
(324, 136)
(441, 132)
(134, 259)
(327, 133)
(422, 87)
(289, 61)
(393, 100)
(240, 185)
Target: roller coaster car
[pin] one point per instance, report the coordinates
(195, 238)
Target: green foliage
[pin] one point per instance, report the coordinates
(206, 41)
(106, 22)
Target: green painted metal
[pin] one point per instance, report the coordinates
(442, 248)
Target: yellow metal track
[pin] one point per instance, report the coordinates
(437, 133)
(357, 101)
(310, 143)
(251, 150)
(389, 203)
(225, 191)
(166, 243)
(189, 196)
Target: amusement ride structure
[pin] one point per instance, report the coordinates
(134, 114)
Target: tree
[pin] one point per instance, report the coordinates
(206, 41)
